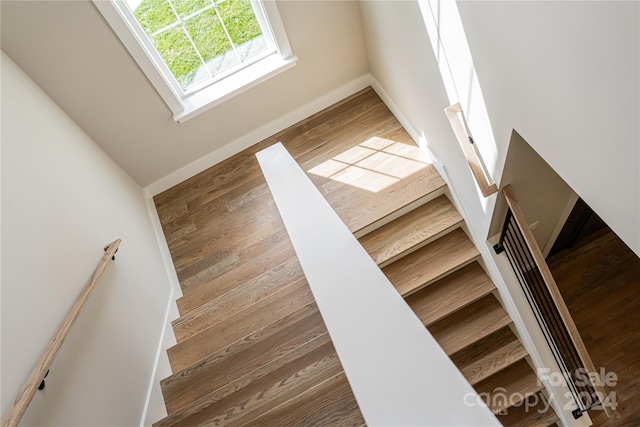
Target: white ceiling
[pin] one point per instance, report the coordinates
(70, 51)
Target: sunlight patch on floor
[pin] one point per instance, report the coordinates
(374, 164)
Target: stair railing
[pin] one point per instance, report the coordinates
(469, 148)
(35, 381)
(542, 293)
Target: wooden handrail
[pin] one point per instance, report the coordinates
(556, 296)
(16, 411)
(463, 135)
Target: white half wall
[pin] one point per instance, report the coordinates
(63, 199)
(399, 374)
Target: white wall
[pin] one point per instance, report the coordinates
(565, 76)
(71, 52)
(402, 62)
(63, 198)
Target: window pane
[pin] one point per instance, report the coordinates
(187, 7)
(212, 42)
(243, 26)
(240, 20)
(154, 15)
(178, 53)
(213, 28)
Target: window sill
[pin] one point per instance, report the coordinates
(233, 85)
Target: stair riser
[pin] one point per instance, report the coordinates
(397, 214)
(249, 365)
(235, 327)
(241, 298)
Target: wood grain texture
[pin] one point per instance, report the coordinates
(489, 355)
(247, 318)
(535, 414)
(432, 262)
(244, 357)
(600, 284)
(253, 349)
(486, 187)
(278, 253)
(316, 407)
(240, 324)
(450, 294)
(411, 231)
(208, 403)
(238, 400)
(509, 386)
(13, 416)
(240, 298)
(470, 324)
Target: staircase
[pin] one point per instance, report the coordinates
(434, 266)
(252, 348)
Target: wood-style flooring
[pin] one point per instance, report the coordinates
(600, 282)
(252, 348)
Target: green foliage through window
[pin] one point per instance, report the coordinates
(198, 22)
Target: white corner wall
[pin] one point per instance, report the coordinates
(403, 65)
(565, 76)
(63, 198)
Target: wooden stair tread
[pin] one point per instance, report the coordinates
(328, 404)
(249, 358)
(236, 401)
(207, 290)
(271, 371)
(470, 324)
(532, 415)
(489, 355)
(253, 402)
(411, 231)
(239, 298)
(207, 263)
(266, 311)
(363, 209)
(509, 386)
(450, 294)
(450, 252)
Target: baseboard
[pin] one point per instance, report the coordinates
(162, 244)
(258, 135)
(154, 398)
(154, 393)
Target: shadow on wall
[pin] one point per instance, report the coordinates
(544, 197)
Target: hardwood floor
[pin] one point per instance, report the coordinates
(600, 281)
(252, 348)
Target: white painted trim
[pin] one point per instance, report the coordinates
(145, 59)
(188, 105)
(277, 28)
(233, 85)
(258, 135)
(174, 282)
(571, 202)
(161, 347)
(167, 337)
(397, 371)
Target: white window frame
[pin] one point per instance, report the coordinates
(187, 104)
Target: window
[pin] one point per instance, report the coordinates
(198, 53)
